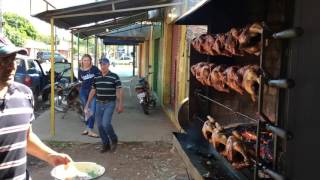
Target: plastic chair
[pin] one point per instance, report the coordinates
(127, 84)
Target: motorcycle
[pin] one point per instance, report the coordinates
(66, 94)
(145, 96)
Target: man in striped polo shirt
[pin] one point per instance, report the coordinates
(16, 115)
(107, 89)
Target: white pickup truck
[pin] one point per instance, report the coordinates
(123, 60)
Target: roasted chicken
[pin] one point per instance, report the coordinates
(217, 79)
(240, 79)
(250, 33)
(232, 79)
(231, 147)
(208, 128)
(236, 151)
(219, 139)
(198, 71)
(238, 144)
(236, 42)
(205, 73)
(250, 79)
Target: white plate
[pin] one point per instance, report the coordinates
(78, 171)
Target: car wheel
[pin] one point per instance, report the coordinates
(36, 97)
(45, 97)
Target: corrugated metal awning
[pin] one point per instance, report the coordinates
(102, 28)
(109, 40)
(133, 30)
(197, 15)
(99, 11)
(128, 35)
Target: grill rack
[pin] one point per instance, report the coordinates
(263, 121)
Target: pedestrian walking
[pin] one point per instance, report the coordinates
(86, 75)
(109, 95)
(16, 115)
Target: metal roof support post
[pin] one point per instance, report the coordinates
(1, 18)
(134, 60)
(79, 65)
(71, 54)
(95, 50)
(52, 114)
(87, 45)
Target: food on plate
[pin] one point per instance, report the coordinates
(78, 171)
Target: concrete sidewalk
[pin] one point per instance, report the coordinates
(131, 126)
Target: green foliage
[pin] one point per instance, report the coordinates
(83, 45)
(18, 28)
(14, 35)
(44, 38)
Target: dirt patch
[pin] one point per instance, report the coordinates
(131, 161)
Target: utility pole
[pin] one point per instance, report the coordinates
(1, 18)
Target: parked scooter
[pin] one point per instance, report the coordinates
(145, 96)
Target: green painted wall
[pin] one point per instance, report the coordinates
(157, 61)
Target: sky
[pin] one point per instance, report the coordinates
(23, 8)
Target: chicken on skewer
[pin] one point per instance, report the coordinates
(217, 79)
(197, 71)
(237, 152)
(246, 78)
(219, 139)
(205, 73)
(236, 42)
(207, 128)
(250, 79)
(232, 79)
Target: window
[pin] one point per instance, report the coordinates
(21, 66)
(37, 66)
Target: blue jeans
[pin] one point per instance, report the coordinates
(84, 94)
(104, 113)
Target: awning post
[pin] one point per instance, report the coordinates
(52, 114)
(72, 64)
(79, 65)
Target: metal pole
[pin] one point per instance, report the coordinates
(55, 39)
(95, 49)
(87, 44)
(1, 19)
(52, 115)
(29, 6)
(134, 60)
(72, 65)
(78, 52)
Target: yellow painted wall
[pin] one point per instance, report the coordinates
(142, 59)
(181, 71)
(166, 66)
(182, 68)
(150, 59)
(165, 55)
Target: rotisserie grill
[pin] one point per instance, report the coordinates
(238, 88)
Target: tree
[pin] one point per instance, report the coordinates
(18, 29)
